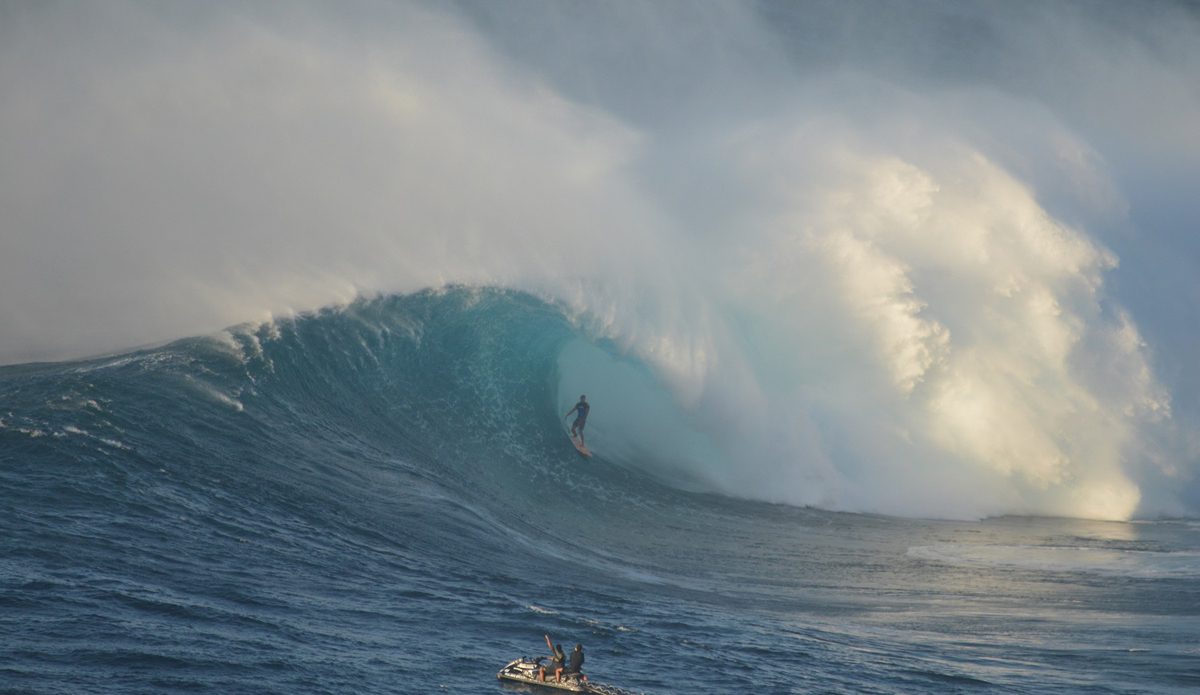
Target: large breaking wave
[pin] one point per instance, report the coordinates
(468, 387)
(911, 273)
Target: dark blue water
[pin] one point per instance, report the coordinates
(381, 498)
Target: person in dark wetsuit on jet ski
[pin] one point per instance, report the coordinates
(582, 408)
(576, 666)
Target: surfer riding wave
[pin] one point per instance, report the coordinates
(582, 409)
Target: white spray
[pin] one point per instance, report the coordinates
(863, 276)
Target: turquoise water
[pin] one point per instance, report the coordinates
(382, 499)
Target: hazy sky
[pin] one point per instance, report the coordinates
(967, 232)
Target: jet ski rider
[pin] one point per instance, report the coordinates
(557, 659)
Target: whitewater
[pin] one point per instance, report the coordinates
(886, 314)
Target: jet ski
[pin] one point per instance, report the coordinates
(525, 670)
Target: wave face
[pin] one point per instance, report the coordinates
(382, 496)
(930, 261)
(453, 386)
(454, 396)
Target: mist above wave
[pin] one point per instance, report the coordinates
(873, 279)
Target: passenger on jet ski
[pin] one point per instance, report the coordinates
(576, 666)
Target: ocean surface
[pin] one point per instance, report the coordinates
(381, 498)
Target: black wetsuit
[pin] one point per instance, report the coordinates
(576, 662)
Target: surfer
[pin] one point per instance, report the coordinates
(557, 660)
(582, 408)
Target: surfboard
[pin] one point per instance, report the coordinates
(579, 445)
